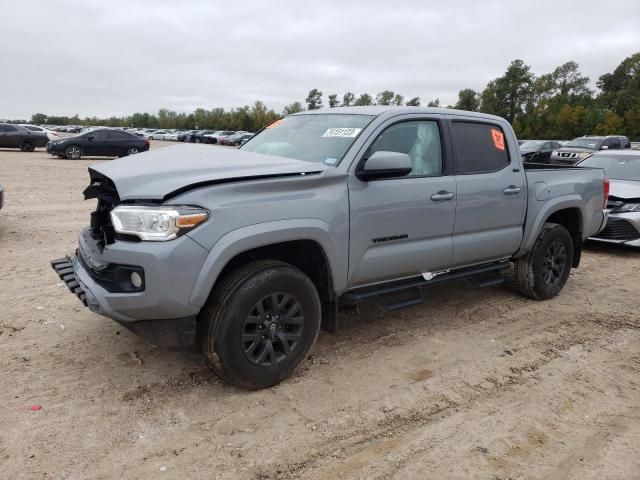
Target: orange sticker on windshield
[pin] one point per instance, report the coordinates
(275, 124)
(498, 138)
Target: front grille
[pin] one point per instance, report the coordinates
(619, 229)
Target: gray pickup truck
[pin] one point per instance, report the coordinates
(250, 251)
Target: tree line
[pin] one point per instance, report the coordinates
(555, 105)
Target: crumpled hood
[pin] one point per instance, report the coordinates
(164, 172)
(624, 189)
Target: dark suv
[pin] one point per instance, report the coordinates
(581, 147)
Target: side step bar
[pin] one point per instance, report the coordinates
(481, 276)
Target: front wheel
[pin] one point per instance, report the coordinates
(132, 150)
(543, 271)
(73, 152)
(259, 323)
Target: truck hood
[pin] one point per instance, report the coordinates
(165, 172)
(624, 189)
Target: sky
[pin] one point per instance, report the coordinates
(117, 57)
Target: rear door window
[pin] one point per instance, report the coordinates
(479, 147)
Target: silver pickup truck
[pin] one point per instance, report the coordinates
(250, 251)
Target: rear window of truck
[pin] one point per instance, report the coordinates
(479, 147)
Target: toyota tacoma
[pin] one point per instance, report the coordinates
(249, 252)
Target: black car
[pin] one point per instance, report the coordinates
(237, 139)
(581, 147)
(184, 136)
(1, 196)
(98, 143)
(15, 136)
(198, 136)
(538, 151)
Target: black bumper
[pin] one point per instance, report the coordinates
(64, 269)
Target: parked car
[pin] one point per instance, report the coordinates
(98, 143)
(51, 135)
(538, 151)
(622, 168)
(582, 147)
(199, 136)
(255, 248)
(1, 196)
(216, 137)
(160, 135)
(16, 136)
(237, 139)
(182, 136)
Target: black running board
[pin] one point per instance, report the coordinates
(481, 276)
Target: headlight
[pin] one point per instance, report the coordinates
(156, 224)
(582, 155)
(629, 207)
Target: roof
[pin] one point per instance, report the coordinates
(391, 111)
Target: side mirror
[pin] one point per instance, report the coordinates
(385, 165)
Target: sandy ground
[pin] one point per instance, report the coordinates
(472, 384)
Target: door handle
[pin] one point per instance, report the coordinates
(442, 196)
(511, 190)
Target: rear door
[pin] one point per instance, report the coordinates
(491, 193)
(402, 227)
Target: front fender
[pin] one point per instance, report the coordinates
(263, 234)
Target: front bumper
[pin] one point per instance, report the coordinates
(621, 228)
(161, 313)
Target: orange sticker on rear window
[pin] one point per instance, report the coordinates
(498, 138)
(275, 124)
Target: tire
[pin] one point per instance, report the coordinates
(238, 320)
(150, 138)
(27, 146)
(543, 271)
(73, 152)
(133, 150)
(198, 140)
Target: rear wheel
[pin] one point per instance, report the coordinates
(73, 152)
(259, 323)
(27, 146)
(132, 150)
(544, 270)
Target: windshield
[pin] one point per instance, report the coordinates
(531, 144)
(583, 142)
(617, 167)
(321, 138)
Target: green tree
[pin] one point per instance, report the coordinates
(348, 99)
(620, 88)
(364, 99)
(38, 118)
(333, 100)
(611, 124)
(314, 99)
(295, 107)
(468, 99)
(385, 97)
(434, 103)
(414, 102)
(507, 96)
(398, 99)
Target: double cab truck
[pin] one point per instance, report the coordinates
(249, 252)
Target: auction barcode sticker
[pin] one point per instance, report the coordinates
(342, 132)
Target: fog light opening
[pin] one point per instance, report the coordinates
(136, 279)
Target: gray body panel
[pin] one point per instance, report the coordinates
(257, 200)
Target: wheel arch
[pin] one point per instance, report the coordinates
(307, 247)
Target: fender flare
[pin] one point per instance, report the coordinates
(261, 235)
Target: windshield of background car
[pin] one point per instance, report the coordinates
(321, 138)
(529, 144)
(617, 167)
(584, 143)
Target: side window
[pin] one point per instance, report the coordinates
(546, 146)
(9, 128)
(99, 135)
(555, 145)
(480, 147)
(615, 143)
(418, 139)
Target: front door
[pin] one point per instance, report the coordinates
(491, 193)
(402, 227)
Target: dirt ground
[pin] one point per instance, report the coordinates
(472, 384)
